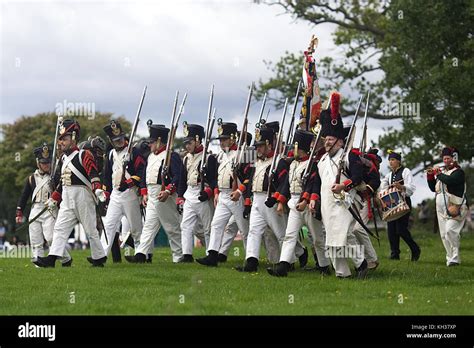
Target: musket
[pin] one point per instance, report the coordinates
(289, 136)
(276, 151)
(211, 118)
(132, 135)
(172, 133)
(371, 202)
(58, 123)
(311, 160)
(347, 147)
(261, 120)
(363, 139)
(348, 144)
(268, 113)
(242, 140)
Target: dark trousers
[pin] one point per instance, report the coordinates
(397, 229)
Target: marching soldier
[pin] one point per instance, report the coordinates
(197, 204)
(270, 241)
(228, 201)
(78, 189)
(449, 184)
(160, 204)
(298, 198)
(372, 180)
(122, 187)
(38, 187)
(336, 200)
(401, 178)
(264, 213)
(232, 228)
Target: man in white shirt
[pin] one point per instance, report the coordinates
(401, 178)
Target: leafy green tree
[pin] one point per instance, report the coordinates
(16, 152)
(405, 51)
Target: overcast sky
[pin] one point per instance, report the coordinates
(104, 52)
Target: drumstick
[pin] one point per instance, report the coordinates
(396, 182)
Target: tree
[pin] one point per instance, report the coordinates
(16, 152)
(424, 55)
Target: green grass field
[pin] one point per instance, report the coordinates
(162, 288)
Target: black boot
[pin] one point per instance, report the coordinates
(45, 262)
(362, 270)
(303, 258)
(415, 255)
(138, 258)
(130, 242)
(90, 259)
(187, 259)
(99, 262)
(281, 270)
(115, 250)
(67, 263)
(324, 270)
(210, 260)
(221, 258)
(149, 258)
(251, 265)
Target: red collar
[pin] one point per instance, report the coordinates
(304, 158)
(233, 147)
(270, 154)
(160, 150)
(198, 149)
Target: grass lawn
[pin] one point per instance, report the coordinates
(163, 288)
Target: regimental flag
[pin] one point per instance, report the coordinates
(311, 108)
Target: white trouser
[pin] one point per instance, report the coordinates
(363, 237)
(197, 218)
(262, 217)
(340, 255)
(296, 220)
(122, 204)
(272, 244)
(449, 230)
(224, 210)
(80, 235)
(161, 214)
(230, 233)
(42, 229)
(77, 206)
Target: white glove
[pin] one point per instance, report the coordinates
(100, 194)
(51, 203)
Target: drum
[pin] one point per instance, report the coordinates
(393, 204)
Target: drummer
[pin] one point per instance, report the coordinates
(401, 178)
